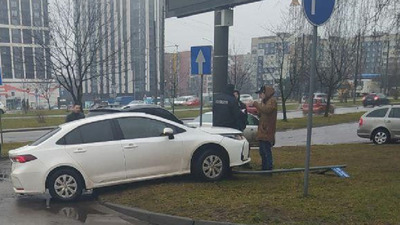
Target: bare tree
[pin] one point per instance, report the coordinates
(239, 70)
(78, 31)
(336, 55)
(285, 66)
(46, 89)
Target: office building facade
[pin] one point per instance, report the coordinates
(24, 33)
(130, 58)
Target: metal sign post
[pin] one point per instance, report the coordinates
(200, 65)
(317, 12)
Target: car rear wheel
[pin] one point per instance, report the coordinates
(211, 165)
(65, 185)
(381, 136)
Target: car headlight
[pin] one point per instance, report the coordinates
(235, 136)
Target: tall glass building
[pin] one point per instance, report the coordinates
(23, 34)
(135, 39)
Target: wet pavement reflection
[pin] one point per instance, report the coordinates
(42, 210)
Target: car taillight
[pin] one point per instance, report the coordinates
(360, 123)
(23, 158)
(376, 98)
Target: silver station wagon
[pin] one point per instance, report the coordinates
(381, 125)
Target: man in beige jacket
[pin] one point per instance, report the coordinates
(267, 111)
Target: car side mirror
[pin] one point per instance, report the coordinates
(168, 132)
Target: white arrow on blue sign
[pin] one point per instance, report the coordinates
(318, 12)
(201, 60)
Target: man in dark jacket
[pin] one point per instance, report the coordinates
(76, 114)
(243, 109)
(226, 112)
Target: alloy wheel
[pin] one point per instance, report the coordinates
(380, 137)
(212, 166)
(65, 186)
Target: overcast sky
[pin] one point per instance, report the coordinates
(249, 21)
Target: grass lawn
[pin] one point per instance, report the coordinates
(370, 196)
(35, 112)
(8, 146)
(318, 121)
(31, 122)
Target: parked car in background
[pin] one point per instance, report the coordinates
(121, 148)
(375, 99)
(380, 125)
(246, 98)
(249, 133)
(3, 108)
(189, 100)
(194, 101)
(319, 106)
(144, 108)
(123, 100)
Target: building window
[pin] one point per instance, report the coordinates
(40, 63)
(27, 36)
(6, 62)
(28, 52)
(4, 35)
(16, 36)
(18, 63)
(14, 10)
(26, 12)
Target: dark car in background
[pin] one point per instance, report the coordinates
(375, 99)
(145, 108)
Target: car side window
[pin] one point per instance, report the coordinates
(73, 138)
(380, 113)
(100, 131)
(136, 127)
(395, 113)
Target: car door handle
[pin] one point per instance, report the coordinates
(130, 146)
(80, 150)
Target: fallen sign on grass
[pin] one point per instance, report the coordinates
(337, 169)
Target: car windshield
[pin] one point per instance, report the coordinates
(45, 137)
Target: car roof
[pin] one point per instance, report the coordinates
(160, 111)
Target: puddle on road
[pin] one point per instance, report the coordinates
(79, 211)
(4, 175)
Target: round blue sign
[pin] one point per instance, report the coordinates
(318, 12)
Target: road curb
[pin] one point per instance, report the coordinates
(160, 218)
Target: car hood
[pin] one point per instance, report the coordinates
(219, 130)
(21, 150)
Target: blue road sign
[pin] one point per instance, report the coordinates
(1, 80)
(318, 11)
(201, 60)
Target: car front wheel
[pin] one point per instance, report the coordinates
(65, 185)
(211, 165)
(380, 137)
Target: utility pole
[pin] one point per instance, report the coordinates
(175, 75)
(387, 65)
(357, 67)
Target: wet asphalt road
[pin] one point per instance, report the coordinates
(41, 210)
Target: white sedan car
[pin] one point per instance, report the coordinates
(250, 133)
(120, 148)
